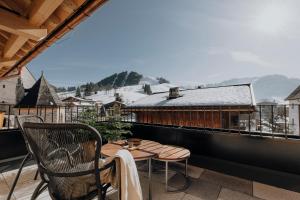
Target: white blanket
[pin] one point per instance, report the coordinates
(130, 188)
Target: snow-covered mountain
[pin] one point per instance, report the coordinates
(270, 87)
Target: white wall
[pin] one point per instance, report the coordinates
(294, 116)
(8, 90)
(8, 94)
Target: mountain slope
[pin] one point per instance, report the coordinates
(270, 87)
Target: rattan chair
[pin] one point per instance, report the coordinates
(20, 121)
(69, 175)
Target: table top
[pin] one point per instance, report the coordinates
(149, 149)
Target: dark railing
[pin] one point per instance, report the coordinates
(263, 120)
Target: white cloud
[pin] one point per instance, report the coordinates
(249, 57)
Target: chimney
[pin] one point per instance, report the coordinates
(118, 97)
(174, 93)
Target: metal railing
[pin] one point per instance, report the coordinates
(263, 120)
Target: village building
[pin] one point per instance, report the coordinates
(294, 111)
(12, 89)
(212, 107)
(77, 101)
(41, 99)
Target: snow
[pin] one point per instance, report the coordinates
(229, 95)
(129, 94)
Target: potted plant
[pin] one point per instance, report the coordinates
(111, 130)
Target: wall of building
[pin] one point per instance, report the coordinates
(294, 120)
(8, 86)
(8, 90)
(208, 119)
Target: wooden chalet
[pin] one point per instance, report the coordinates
(214, 107)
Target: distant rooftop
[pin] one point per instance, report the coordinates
(233, 95)
(295, 94)
(41, 94)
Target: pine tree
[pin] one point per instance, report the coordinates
(88, 90)
(78, 93)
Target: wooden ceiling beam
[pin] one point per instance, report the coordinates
(13, 5)
(42, 9)
(20, 26)
(13, 44)
(40, 12)
(7, 62)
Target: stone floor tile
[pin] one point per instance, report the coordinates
(4, 189)
(268, 192)
(203, 189)
(193, 171)
(26, 175)
(227, 194)
(231, 182)
(191, 197)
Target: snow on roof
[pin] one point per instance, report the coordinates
(214, 96)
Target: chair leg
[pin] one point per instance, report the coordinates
(17, 176)
(37, 190)
(36, 175)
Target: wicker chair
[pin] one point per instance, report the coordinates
(20, 121)
(70, 174)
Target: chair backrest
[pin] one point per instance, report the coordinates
(64, 150)
(21, 119)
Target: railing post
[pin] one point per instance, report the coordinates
(260, 124)
(52, 109)
(8, 121)
(249, 121)
(285, 122)
(272, 120)
(71, 107)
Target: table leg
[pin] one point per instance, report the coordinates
(166, 175)
(149, 178)
(186, 168)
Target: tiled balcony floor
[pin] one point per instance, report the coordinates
(205, 185)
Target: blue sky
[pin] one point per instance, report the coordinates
(191, 41)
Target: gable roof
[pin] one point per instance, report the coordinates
(41, 94)
(295, 94)
(234, 95)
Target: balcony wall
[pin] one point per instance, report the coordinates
(273, 161)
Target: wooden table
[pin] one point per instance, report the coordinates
(148, 150)
(170, 153)
(144, 151)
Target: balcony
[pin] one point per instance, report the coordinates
(225, 163)
(205, 185)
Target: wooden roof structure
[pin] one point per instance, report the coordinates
(27, 27)
(41, 94)
(294, 95)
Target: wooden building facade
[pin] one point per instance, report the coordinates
(191, 108)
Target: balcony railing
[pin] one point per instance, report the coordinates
(263, 120)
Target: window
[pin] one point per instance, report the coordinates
(292, 106)
(293, 121)
(3, 86)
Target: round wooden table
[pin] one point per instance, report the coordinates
(148, 150)
(145, 151)
(170, 153)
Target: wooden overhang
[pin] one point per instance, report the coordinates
(28, 27)
(233, 108)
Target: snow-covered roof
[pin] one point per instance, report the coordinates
(241, 95)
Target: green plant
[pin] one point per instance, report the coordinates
(112, 129)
